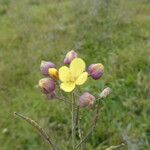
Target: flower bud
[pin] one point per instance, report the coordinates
(70, 56)
(96, 70)
(47, 85)
(45, 65)
(86, 100)
(53, 73)
(105, 92)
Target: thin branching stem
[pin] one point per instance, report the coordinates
(77, 123)
(39, 129)
(92, 127)
(77, 116)
(81, 134)
(73, 121)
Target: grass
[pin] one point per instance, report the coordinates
(115, 33)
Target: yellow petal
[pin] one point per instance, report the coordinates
(67, 86)
(77, 66)
(64, 74)
(53, 73)
(82, 78)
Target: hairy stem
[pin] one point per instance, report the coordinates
(73, 121)
(80, 134)
(39, 129)
(77, 117)
(78, 125)
(92, 127)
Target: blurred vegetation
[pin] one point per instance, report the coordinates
(113, 32)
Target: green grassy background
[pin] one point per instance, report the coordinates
(113, 32)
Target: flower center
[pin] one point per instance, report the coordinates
(72, 78)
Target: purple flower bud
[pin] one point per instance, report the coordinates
(86, 100)
(105, 92)
(96, 71)
(47, 85)
(70, 56)
(45, 65)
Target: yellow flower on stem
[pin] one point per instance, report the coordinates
(73, 75)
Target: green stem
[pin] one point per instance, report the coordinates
(80, 133)
(77, 117)
(73, 122)
(92, 127)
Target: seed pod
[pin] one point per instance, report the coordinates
(45, 65)
(86, 100)
(96, 71)
(105, 92)
(70, 56)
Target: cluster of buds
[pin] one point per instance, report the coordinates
(74, 73)
(87, 100)
(48, 84)
(69, 77)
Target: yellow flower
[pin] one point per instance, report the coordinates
(72, 76)
(53, 73)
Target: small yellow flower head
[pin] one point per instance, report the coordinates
(86, 100)
(73, 75)
(106, 92)
(70, 56)
(53, 73)
(96, 71)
